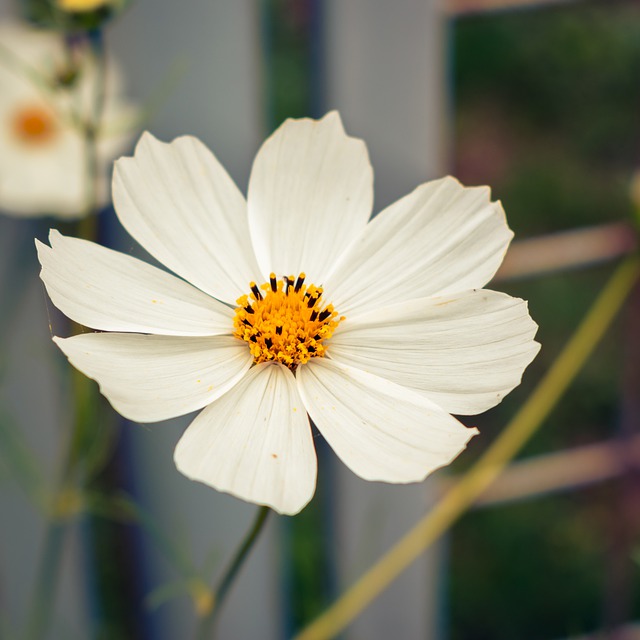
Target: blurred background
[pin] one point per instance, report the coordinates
(539, 100)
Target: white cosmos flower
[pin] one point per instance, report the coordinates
(42, 154)
(400, 336)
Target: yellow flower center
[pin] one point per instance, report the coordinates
(33, 125)
(285, 321)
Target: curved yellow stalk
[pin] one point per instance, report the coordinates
(524, 424)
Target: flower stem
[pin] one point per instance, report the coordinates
(205, 628)
(44, 593)
(64, 503)
(90, 129)
(523, 425)
(66, 498)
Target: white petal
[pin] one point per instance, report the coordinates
(310, 195)
(254, 442)
(464, 352)
(380, 430)
(48, 176)
(38, 180)
(180, 204)
(441, 238)
(151, 378)
(111, 291)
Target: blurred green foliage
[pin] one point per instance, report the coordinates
(561, 86)
(47, 14)
(547, 112)
(290, 74)
(287, 27)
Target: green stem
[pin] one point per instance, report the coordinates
(66, 498)
(44, 593)
(91, 128)
(207, 622)
(65, 502)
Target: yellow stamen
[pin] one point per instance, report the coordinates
(285, 321)
(33, 124)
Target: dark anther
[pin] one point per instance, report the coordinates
(249, 309)
(273, 283)
(299, 282)
(317, 336)
(324, 315)
(311, 301)
(288, 282)
(256, 292)
(311, 349)
(268, 342)
(247, 323)
(313, 315)
(279, 330)
(253, 339)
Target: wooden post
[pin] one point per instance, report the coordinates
(384, 71)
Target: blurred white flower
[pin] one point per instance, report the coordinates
(42, 155)
(377, 330)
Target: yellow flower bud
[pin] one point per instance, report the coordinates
(81, 6)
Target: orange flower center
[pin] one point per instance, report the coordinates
(285, 321)
(33, 125)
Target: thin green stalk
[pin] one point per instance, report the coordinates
(205, 628)
(523, 425)
(66, 501)
(91, 129)
(67, 497)
(43, 597)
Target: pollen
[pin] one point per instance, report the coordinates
(285, 320)
(33, 124)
